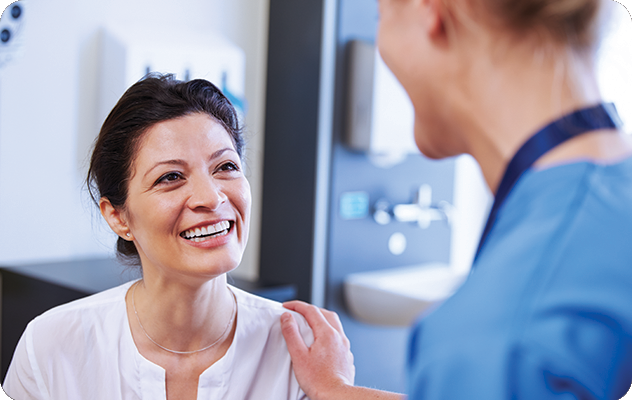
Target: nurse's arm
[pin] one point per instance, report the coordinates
(325, 370)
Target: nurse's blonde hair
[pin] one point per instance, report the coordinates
(567, 22)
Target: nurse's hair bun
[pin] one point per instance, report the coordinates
(569, 22)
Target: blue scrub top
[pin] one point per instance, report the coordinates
(547, 310)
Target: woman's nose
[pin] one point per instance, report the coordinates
(206, 193)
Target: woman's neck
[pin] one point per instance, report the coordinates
(182, 317)
(506, 100)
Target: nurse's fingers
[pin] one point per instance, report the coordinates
(295, 343)
(328, 362)
(319, 319)
(333, 319)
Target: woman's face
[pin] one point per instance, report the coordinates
(188, 205)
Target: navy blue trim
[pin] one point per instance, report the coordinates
(602, 116)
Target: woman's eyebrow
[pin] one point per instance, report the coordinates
(219, 153)
(181, 163)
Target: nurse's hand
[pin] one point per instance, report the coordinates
(325, 370)
(327, 365)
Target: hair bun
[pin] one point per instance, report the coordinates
(567, 21)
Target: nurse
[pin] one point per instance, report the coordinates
(547, 310)
(168, 176)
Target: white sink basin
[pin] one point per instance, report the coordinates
(397, 296)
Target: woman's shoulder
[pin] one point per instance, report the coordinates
(72, 340)
(99, 306)
(263, 307)
(264, 313)
(253, 301)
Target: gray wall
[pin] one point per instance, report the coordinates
(289, 183)
(361, 245)
(288, 201)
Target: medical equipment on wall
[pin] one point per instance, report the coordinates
(12, 32)
(127, 56)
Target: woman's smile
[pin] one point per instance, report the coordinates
(207, 232)
(209, 236)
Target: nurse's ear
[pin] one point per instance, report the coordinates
(434, 16)
(115, 218)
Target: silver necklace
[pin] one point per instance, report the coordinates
(230, 322)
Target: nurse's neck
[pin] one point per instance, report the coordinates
(508, 100)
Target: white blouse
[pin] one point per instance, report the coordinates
(84, 350)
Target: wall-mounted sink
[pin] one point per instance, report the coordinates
(397, 296)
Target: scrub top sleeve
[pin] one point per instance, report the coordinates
(451, 374)
(497, 371)
(535, 374)
(21, 382)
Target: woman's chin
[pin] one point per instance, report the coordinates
(204, 268)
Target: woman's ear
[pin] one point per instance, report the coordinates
(115, 218)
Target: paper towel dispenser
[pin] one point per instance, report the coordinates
(380, 115)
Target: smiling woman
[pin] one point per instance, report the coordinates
(167, 175)
(186, 177)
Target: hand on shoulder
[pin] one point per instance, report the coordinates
(324, 370)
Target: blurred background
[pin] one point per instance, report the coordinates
(346, 213)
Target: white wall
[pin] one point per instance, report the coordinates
(48, 106)
(4, 4)
(614, 60)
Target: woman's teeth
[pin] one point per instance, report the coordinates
(201, 234)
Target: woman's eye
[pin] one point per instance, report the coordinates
(229, 166)
(169, 177)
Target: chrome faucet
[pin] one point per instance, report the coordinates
(421, 211)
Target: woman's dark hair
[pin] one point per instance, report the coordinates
(153, 99)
